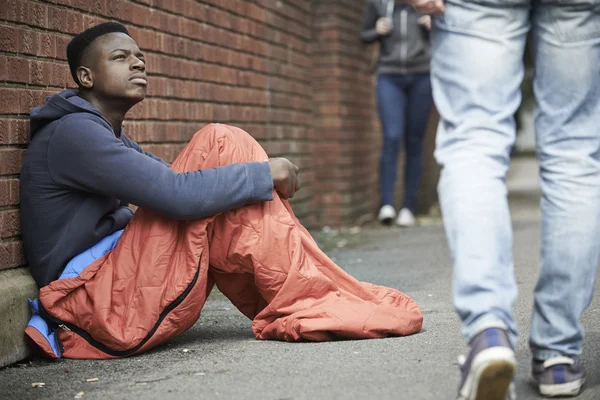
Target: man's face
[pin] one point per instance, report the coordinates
(114, 69)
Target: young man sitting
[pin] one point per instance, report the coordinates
(114, 283)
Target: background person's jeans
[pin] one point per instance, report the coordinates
(476, 71)
(404, 103)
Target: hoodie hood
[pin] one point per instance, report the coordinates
(57, 106)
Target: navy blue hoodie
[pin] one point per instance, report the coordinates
(78, 177)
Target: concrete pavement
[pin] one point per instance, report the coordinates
(219, 358)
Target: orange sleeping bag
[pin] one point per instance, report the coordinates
(152, 286)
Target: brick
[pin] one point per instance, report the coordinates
(9, 223)
(11, 254)
(4, 10)
(32, 98)
(167, 152)
(61, 47)
(57, 19)
(3, 68)
(13, 131)
(37, 72)
(114, 8)
(17, 11)
(9, 39)
(37, 14)
(9, 101)
(84, 5)
(10, 161)
(9, 192)
(18, 70)
(74, 22)
(28, 41)
(98, 6)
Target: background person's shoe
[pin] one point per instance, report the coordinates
(558, 376)
(406, 218)
(488, 371)
(386, 215)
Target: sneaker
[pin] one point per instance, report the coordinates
(386, 214)
(558, 376)
(406, 218)
(488, 371)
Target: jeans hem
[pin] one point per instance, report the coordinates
(545, 354)
(483, 323)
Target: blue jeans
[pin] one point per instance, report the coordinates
(404, 103)
(476, 72)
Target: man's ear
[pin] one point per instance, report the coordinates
(84, 75)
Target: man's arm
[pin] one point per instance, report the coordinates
(84, 155)
(130, 143)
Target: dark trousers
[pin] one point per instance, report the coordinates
(404, 103)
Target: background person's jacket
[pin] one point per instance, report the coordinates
(406, 50)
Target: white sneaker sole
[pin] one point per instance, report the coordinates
(569, 389)
(386, 215)
(405, 224)
(491, 376)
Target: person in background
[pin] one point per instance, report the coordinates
(477, 68)
(403, 97)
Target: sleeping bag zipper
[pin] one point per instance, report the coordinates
(67, 326)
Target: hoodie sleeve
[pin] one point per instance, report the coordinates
(84, 155)
(368, 34)
(130, 143)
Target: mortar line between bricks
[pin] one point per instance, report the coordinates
(207, 121)
(14, 116)
(219, 102)
(262, 141)
(229, 121)
(184, 142)
(193, 121)
(11, 239)
(31, 57)
(18, 85)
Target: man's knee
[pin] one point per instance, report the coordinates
(214, 132)
(229, 140)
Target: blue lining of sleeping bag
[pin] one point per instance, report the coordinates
(72, 270)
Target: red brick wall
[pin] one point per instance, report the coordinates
(292, 73)
(345, 119)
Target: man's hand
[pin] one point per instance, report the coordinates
(425, 21)
(383, 26)
(285, 177)
(432, 7)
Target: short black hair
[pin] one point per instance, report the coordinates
(79, 43)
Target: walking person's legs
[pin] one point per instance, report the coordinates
(419, 106)
(476, 73)
(391, 102)
(567, 90)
